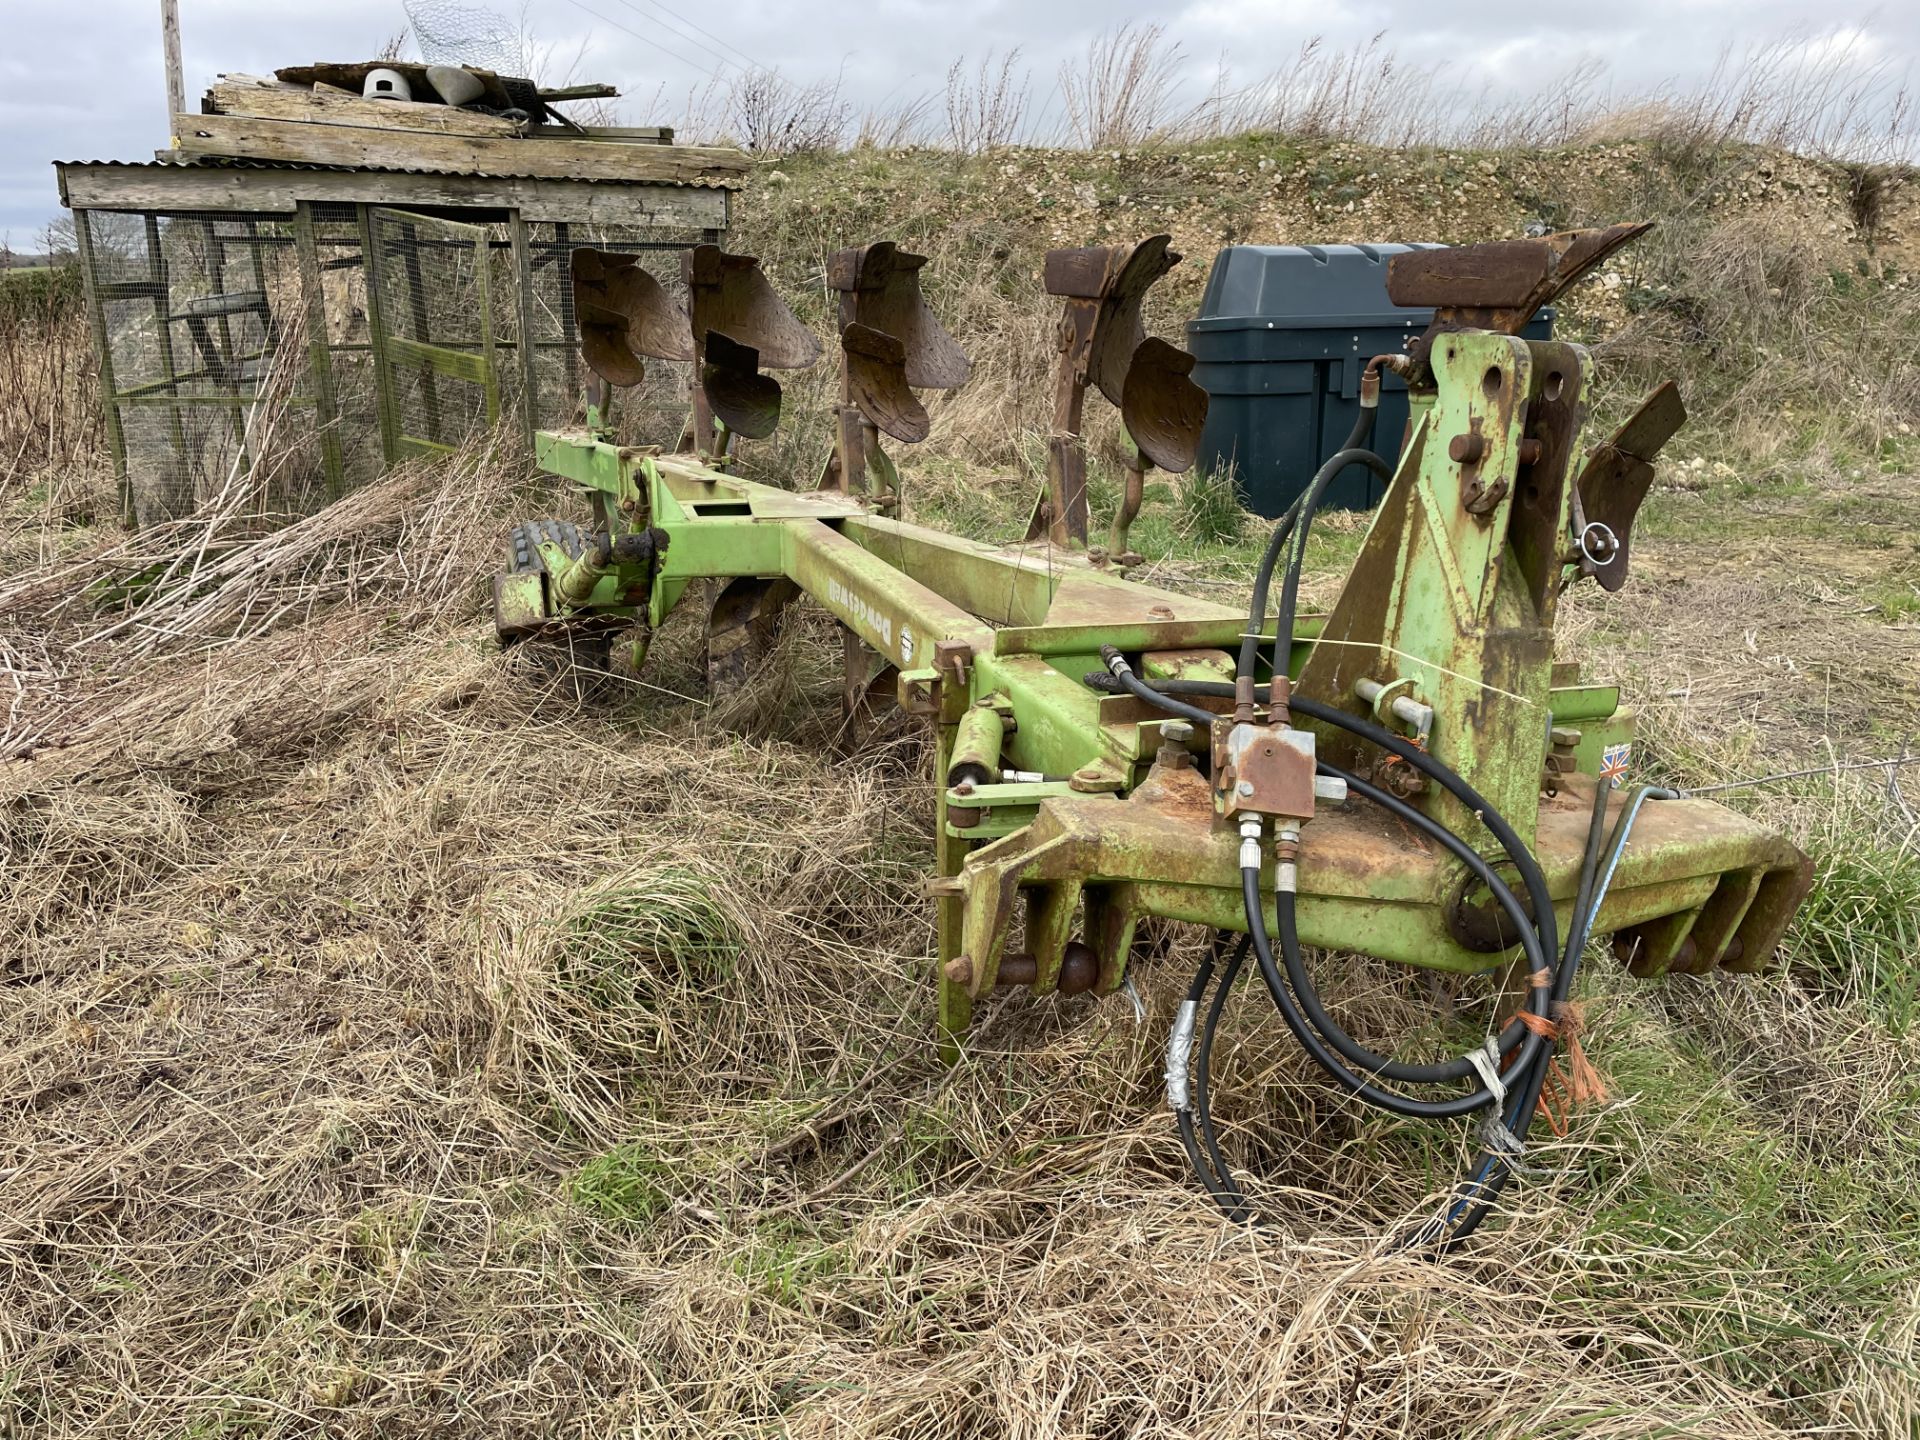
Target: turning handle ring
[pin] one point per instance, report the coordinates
(1598, 544)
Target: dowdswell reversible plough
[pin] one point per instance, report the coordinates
(1411, 775)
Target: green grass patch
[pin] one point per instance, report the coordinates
(1857, 935)
(625, 1187)
(1209, 507)
(788, 1264)
(663, 926)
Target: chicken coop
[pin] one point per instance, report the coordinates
(287, 303)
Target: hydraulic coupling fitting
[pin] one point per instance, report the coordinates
(1251, 828)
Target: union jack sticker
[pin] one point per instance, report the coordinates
(1613, 763)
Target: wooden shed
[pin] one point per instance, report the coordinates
(341, 295)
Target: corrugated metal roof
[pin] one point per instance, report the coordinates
(234, 162)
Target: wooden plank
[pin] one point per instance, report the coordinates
(170, 188)
(353, 78)
(170, 46)
(301, 142)
(163, 328)
(372, 268)
(319, 357)
(252, 97)
(524, 318)
(580, 92)
(454, 364)
(611, 134)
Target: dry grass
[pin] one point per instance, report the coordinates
(394, 1048)
(49, 415)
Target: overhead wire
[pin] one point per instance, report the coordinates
(647, 40)
(701, 29)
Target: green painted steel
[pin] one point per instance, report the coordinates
(1449, 612)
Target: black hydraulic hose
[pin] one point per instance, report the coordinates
(1303, 522)
(1516, 1032)
(1310, 1038)
(1357, 439)
(1214, 1176)
(1447, 777)
(1123, 672)
(1203, 1078)
(1495, 1170)
(1262, 580)
(1441, 774)
(1534, 942)
(1525, 926)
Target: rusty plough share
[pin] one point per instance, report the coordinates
(1411, 775)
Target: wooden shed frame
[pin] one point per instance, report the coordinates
(656, 215)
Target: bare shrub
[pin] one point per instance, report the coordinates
(893, 126)
(1814, 93)
(1365, 93)
(1122, 93)
(763, 111)
(986, 104)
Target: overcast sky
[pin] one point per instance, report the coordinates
(81, 82)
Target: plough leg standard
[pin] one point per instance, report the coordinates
(1411, 775)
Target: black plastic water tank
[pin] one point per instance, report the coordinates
(1282, 336)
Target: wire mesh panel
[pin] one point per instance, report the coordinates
(434, 331)
(204, 319)
(268, 361)
(346, 332)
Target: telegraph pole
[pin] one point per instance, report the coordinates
(170, 42)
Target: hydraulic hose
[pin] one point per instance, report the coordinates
(1203, 1076)
(1524, 1047)
(1538, 946)
(1516, 1031)
(1477, 1196)
(1212, 1168)
(1354, 448)
(1123, 672)
(1308, 503)
(1304, 1032)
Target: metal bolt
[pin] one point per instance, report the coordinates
(1178, 731)
(1466, 449)
(960, 970)
(1530, 452)
(1245, 787)
(1161, 612)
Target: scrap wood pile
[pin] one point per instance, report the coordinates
(407, 116)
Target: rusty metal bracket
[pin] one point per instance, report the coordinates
(1102, 341)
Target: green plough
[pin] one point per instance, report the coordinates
(1411, 775)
